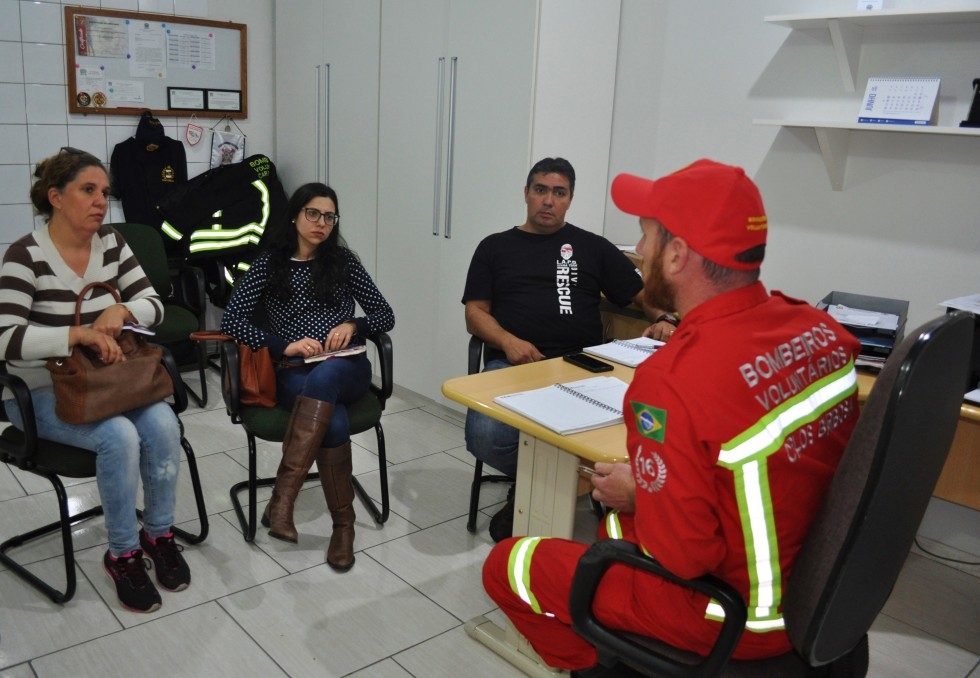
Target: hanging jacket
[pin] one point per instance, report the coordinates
(145, 168)
(216, 220)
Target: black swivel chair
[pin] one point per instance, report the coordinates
(183, 307)
(857, 544)
(270, 423)
(475, 362)
(27, 452)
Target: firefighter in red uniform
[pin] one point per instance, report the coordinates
(734, 430)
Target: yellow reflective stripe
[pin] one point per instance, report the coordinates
(211, 246)
(519, 571)
(746, 456)
(755, 506)
(613, 527)
(234, 236)
(228, 276)
(807, 406)
(214, 233)
(170, 231)
(717, 612)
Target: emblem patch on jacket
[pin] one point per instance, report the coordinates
(651, 422)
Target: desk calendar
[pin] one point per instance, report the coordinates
(900, 101)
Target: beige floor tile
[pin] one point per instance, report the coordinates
(31, 625)
(413, 434)
(444, 563)
(946, 602)
(320, 622)
(429, 490)
(203, 641)
(446, 654)
(899, 650)
(383, 669)
(9, 487)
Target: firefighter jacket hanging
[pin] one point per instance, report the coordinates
(216, 220)
(145, 168)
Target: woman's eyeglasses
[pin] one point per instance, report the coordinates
(314, 215)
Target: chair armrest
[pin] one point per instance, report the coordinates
(230, 377)
(475, 354)
(22, 395)
(615, 645)
(385, 358)
(180, 392)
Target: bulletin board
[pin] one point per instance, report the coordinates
(121, 63)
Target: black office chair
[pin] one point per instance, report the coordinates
(27, 452)
(858, 542)
(182, 293)
(270, 423)
(475, 362)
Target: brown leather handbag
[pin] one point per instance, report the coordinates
(87, 390)
(257, 375)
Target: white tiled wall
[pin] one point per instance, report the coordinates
(34, 119)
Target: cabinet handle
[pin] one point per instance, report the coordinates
(326, 127)
(448, 233)
(437, 181)
(316, 154)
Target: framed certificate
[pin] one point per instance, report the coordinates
(224, 100)
(185, 99)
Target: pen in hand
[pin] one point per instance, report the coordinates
(590, 471)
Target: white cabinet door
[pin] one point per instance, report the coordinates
(299, 95)
(411, 131)
(351, 38)
(456, 81)
(327, 107)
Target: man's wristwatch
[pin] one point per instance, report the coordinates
(667, 318)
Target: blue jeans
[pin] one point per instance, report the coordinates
(489, 440)
(338, 381)
(143, 443)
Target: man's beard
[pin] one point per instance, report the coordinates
(657, 292)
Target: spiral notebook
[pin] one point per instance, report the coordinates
(629, 352)
(571, 407)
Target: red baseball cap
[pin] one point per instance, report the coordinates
(716, 208)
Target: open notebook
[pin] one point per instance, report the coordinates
(571, 407)
(629, 352)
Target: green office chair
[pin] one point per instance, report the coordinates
(269, 423)
(183, 305)
(857, 545)
(27, 452)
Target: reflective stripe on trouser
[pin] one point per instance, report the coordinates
(626, 599)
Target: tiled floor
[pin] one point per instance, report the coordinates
(272, 609)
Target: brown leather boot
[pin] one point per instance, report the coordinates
(334, 464)
(308, 423)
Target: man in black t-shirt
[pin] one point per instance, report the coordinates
(533, 292)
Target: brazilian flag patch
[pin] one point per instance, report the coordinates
(651, 422)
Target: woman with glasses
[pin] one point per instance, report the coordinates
(43, 273)
(304, 287)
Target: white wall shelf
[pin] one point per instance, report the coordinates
(834, 138)
(846, 30)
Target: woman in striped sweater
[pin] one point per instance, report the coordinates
(42, 274)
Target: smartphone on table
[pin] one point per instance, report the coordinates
(587, 362)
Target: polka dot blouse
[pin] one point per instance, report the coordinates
(302, 315)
